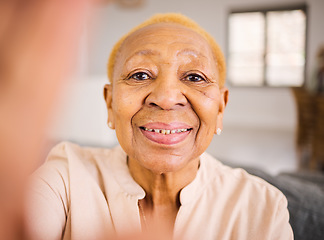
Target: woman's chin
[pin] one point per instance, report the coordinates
(164, 163)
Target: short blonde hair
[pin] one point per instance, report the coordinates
(179, 19)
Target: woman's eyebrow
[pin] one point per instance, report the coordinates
(146, 52)
(189, 51)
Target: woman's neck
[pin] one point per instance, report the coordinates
(161, 202)
(163, 188)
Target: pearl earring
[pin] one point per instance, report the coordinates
(219, 131)
(110, 125)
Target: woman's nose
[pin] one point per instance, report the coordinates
(167, 93)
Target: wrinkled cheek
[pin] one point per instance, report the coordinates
(124, 114)
(123, 118)
(128, 96)
(123, 105)
(206, 107)
(123, 128)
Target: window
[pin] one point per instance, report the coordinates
(267, 48)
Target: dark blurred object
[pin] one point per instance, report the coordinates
(310, 129)
(317, 159)
(319, 76)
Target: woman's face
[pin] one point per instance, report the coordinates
(165, 102)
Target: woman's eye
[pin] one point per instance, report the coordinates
(195, 78)
(140, 76)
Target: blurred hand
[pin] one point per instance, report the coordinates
(38, 43)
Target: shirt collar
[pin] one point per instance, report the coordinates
(194, 189)
(123, 176)
(187, 194)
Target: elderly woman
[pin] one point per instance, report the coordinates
(166, 100)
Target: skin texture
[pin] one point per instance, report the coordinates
(164, 73)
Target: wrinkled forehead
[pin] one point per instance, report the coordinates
(165, 35)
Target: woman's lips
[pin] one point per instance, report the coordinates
(163, 133)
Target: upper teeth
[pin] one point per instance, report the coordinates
(166, 131)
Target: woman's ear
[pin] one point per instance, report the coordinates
(221, 109)
(108, 98)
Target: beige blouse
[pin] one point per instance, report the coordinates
(84, 193)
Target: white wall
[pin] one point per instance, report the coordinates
(252, 111)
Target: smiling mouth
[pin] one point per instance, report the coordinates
(166, 131)
(166, 135)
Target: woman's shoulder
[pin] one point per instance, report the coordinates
(68, 160)
(70, 178)
(65, 154)
(65, 150)
(239, 180)
(236, 203)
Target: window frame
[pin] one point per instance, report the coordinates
(264, 11)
